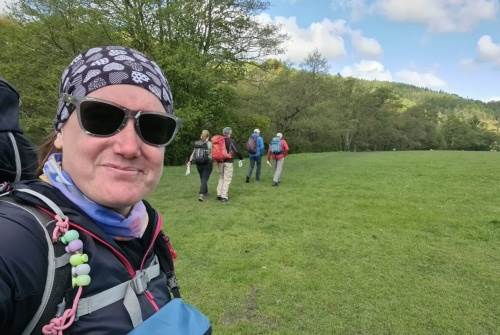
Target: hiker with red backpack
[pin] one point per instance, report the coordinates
(81, 252)
(202, 157)
(255, 148)
(278, 150)
(223, 150)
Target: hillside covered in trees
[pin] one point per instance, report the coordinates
(218, 61)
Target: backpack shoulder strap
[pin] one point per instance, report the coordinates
(52, 205)
(166, 254)
(126, 291)
(58, 274)
(17, 157)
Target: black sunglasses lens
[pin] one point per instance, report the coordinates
(100, 118)
(157, 129)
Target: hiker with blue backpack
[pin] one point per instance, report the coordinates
(255, 148)
(81, 252)
(202, 157)
(278, 150)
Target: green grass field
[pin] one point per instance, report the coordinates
(350, 243)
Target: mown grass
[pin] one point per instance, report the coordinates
(350, 243)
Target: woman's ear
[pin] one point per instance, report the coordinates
(58, 142)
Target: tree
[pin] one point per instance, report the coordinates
(315, 63)
(418, 129)
(462, 134)
(203, 46)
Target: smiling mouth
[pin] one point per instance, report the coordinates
(124, 169)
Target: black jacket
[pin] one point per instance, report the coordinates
(232, 148)
(23, 265)
(9, 123)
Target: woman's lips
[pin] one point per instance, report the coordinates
(124, 168)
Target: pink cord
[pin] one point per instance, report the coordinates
(57, 325)
(62, 227)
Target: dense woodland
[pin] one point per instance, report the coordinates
(218, 60)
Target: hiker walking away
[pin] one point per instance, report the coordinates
(81, 252)
(202, 157)
(18, 158)
(223, 150)
(278, 150)
(255, 147)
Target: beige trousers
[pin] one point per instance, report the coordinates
(225, 177)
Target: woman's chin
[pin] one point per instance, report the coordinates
(121, 202)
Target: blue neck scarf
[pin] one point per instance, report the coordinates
(111, 222)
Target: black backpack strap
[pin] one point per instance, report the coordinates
(58, 271)
(166, 261)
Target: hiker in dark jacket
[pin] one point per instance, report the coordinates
(201, 156)
(18, 158)
(114, 120)
(226, 167)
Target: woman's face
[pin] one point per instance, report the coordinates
(115, 171)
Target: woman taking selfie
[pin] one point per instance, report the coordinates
(113, 123)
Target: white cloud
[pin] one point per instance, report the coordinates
(425, 79)
(468, 63)
(373, 70)
(492, 99)
(367, 47)
(358, 8)
(439, 15)
(488, 50)
(436, 15)
(367, 69)
(326, 36)
(3, 5)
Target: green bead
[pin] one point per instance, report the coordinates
(82, 280)
(69, 236)
(78, 259)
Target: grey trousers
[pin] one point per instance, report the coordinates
(278, 168)
(253, 161)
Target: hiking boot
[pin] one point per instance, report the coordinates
(275, 184)
(200, 197)
(224, 200)
(247, 180)
(219, 197)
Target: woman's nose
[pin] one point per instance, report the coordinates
(127, 142)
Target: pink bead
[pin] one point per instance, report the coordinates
(74, 245)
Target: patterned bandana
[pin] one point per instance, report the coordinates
(111, 222)
(110, 65)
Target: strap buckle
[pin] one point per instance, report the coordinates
(140, 282)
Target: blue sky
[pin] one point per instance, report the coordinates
(449, 45)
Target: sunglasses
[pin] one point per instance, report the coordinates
(104, 119)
